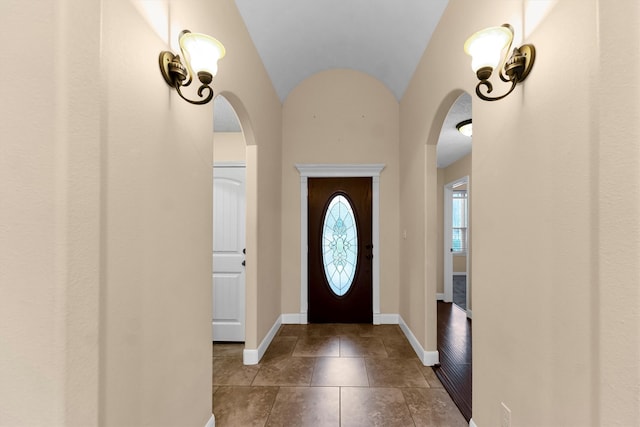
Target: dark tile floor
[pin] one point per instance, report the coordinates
(330, 375)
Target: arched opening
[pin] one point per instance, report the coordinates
(234, 239)
(229, 225)
(454, 169)
(453, 195)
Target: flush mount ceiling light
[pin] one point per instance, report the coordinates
(201, 54)
(486, 49)
(465, 127)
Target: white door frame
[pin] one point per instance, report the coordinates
(339, 171)
(448, 256)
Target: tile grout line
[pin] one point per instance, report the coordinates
(367, 371)
(266, 422)
(313, 371)
(340, 406)
(404, 398)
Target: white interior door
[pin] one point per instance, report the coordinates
(228, 253)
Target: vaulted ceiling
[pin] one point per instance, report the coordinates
(385, 39)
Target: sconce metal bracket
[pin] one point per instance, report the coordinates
(175, 74)
(172, 69)
(519, 64)
(516, 68)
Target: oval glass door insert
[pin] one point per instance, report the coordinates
(339, 245)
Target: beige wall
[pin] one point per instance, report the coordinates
(459, 264)
(229, 147)
(157, 191)
(340, 116)
(554, 345)
(50, 213)
(106, 201)
(458, 169)
(615, 229)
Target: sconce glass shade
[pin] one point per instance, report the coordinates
(201, 52)
(485, 47)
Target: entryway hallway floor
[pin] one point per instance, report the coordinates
(330, 375)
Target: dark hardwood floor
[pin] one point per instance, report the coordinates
(454, 346)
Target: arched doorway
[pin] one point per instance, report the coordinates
(229, 225)
(454, 166)
(454, 275)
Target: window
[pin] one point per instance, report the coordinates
(339, 245)
(459, 222)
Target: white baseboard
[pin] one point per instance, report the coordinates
(431, 358)
(301, 319)
(253, 356)
(211, 422)
(294, 319)
(440, 297)
(469, 314)
(428, 358)
(472, 424)
(385, 319)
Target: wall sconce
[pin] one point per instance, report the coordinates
(465, 127)
(486, 50)
(201, 54)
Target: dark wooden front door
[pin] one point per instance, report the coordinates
(340, 250)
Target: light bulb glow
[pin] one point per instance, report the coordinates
(465, 128)
(485, 47)
(201, 52)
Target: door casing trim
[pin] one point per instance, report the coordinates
(325, 170)
(448, 261)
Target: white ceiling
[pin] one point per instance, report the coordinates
(224, 117)
(383, 38)
(452, 145)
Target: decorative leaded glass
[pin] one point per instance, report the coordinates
(339, 245)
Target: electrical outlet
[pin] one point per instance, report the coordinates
(505, 415)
